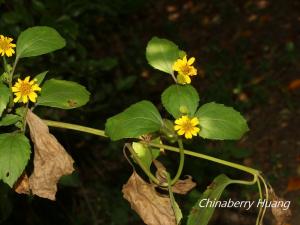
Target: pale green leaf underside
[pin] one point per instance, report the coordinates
(139, 119)
(63, 94)
(220, 122)
(14, 155)
(38, 40)
(162, 53)
(180, 99)
(145, 153)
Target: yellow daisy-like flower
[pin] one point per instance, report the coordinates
(6, 47)
(187, 126)
(185, 69)
(25, 90)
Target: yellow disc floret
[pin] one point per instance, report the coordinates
(185, 69)
(25, 90)
(6, 47)
(187, 126)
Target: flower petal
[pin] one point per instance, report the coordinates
(191, 61)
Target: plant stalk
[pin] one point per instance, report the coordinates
(167, 147)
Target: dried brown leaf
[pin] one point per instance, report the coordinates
(22, 185)
(181, 186)
(51, 161)
(281, 215)
(154, 209)
(184, 186)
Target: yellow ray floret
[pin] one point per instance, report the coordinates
(6, 47)
(25, 90)
(185, 69)
(187, 126)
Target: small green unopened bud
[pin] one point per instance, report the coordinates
(168, 131)
(183, 109)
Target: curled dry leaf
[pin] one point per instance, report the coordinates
(281, 215)
(181, 186)
(184, 186)
(154, 209)
(22, 185)
(51, 161)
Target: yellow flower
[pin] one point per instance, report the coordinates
(185, 69)
(25, 90)
(183, 79)
(6, 47)
(187, 126)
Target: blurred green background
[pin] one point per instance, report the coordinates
(247, 54)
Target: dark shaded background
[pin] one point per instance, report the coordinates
(247, 56)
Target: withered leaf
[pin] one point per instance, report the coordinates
(184, 186)
(181, 186)
(153, 208)
(51, 161)
(281, 215)
(22, 185)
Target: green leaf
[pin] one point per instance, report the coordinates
(38, 40)
(161, 54)
(139, 119)
(175, 206)
(14, 155)
(220, 122)
(180, 99)
(40, 77)
(4, 97)
(145, 153)
(201, 215)
(63, 94)
(9, 119)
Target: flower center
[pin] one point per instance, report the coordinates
(187, 126)
(4, 45)
(25, 88)
(185, 69)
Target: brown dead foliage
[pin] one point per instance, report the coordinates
(181, 186)
(153, 208)
(184, 186)
(281, 215)
(51, 161)
(22, 185)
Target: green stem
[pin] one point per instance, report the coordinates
(174, 78)
(4, 63)
(167, 147)
(181, 163)
(267, 199)
(24, 118)
(11, 74)
(75, 127)
(245, 182)
(260, 197)
(210, 158)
